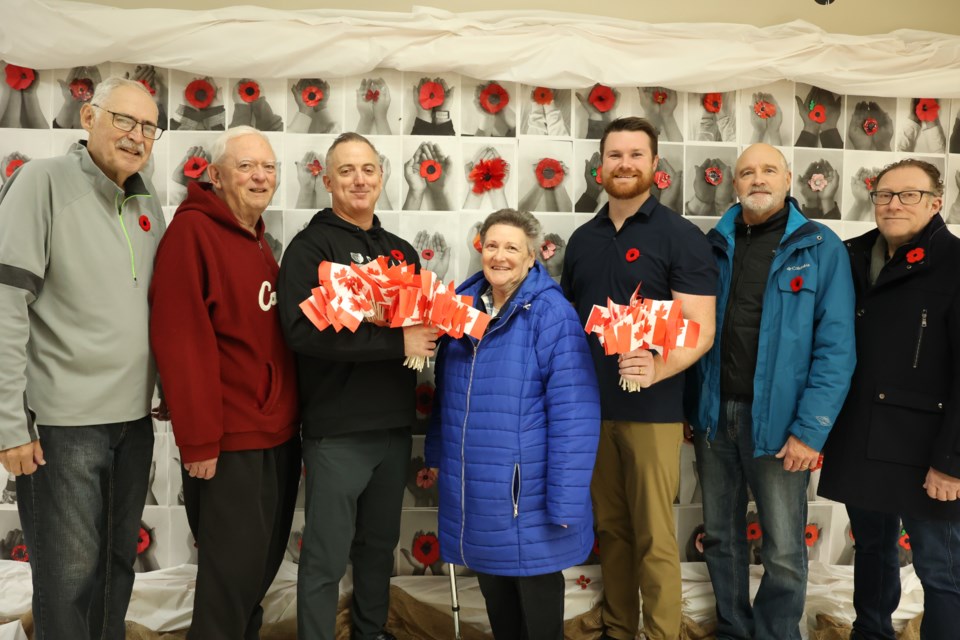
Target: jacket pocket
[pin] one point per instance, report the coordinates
(903, 426)
(268, 390)
(515, 489)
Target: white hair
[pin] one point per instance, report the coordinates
(219, 147)
(106, 88)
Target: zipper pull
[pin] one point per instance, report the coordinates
(923, 319)
(516, 509)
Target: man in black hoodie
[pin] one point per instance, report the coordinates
(357, 404)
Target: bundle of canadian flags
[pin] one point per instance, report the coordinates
(641, 324)
(390, 296)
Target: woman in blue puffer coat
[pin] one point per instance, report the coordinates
(514, 433)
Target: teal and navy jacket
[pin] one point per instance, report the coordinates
(807, 351)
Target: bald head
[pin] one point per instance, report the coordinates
(762, 181)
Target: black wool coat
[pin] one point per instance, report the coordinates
(902, 414)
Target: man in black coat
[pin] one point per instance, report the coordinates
(894, 454)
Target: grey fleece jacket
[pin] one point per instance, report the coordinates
(74, 276)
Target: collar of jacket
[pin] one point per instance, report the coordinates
(537, 281)
(897, 267)
(800, 231)
(134, 186)
(201, 198)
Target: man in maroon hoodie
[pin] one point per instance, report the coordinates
(229, 382)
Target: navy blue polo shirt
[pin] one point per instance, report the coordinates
(601, 263)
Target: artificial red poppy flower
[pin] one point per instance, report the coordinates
(597, 173)
(144, 223)
(764, 109)
(796, 284)
(915, 255)
(143, 541)
(426, 478)
(431, 95)
(200, 93)
(424, 396)
(660, 97)
(82, 89)
(713, 102)
(396, 254)
(426, 548)
(194, 167)
(819, 463)
(427, 254)
(549, 173)
(494, 98)
(632, 254)
(904, 540)
(477, 244)
(487, 175)
(927, 109)
(753, 531)
(430, 170)
(713, 175)
(311, 95)
(871, 126)
(543, 95)
(662, 179)
(19, 553)
(12, 166)
(602, 98)
(817, 182)
(818, 114)
(583, 581)
(315, 168)
(20, 78)
(811, 534)
(249, 91)
(547, 249)
(148, 87)
(372, 95)
(870, 181)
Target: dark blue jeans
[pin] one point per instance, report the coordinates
(876, 573)
(727, 467)
(81, 516)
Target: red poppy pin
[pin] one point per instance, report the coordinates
(487, 175)
(818, 114)
(194, 167)
(764, 109)
(19, 553)
(431, 95)
(927, 109)
(660, 97)
(12, 166)
(602, 98)
(543, 95)
(549, 173)
(200, 93)
(662, 179)
(583, 581)
(81, 89)
(494, 98)
(430, 170)
(811, 534)
(632, 254)
(713, 102)
(396, 254)
(249, 91)
(547, 250)
(753, 531)
(144, 223)
(477, 244)
(871, 126)
(426, 548)
(915, 255)
(713, 175)
(20, 78)
(311, 95)
(372, 95)
(796, 284)
(427, 254)
(148, 87)
(904, 540)
(143, 541)
(315, 168)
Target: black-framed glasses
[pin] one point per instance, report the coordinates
(912, 196)
(128, 123)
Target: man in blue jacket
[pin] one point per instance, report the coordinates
(769, 391)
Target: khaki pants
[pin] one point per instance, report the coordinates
(635, 481)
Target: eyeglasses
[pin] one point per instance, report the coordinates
(128, 123)
(906, 197)
(247, 166)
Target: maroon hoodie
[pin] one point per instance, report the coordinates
(228, 378)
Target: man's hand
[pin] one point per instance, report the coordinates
(23, 460)
(204, 469)
(161, 411)
(419, 340)
(797, 456)
(941, 487)
(639, 366)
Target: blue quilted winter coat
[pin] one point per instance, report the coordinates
(514, 432)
